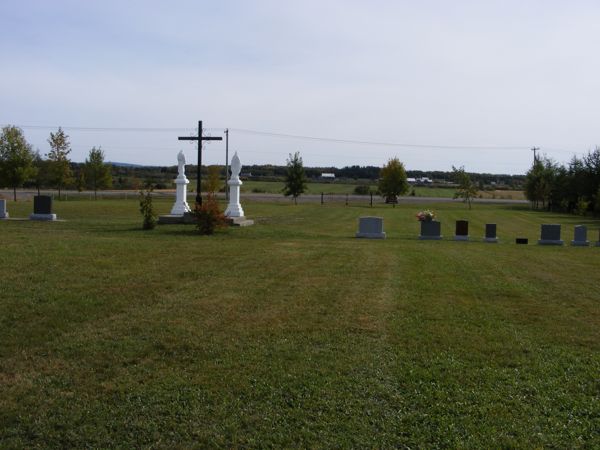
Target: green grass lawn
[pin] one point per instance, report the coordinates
(292, 333)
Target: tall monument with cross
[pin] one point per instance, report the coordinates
(199, 138)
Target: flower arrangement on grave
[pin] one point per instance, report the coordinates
(425, 216)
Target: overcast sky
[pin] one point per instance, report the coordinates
(473, 83)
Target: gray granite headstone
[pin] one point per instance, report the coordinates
(490, 233)
(462, 230)
(3, 213)
(598, 241)
(370, 227)
(550, 234)
(42, 208)
(430, 230)
(580, 236)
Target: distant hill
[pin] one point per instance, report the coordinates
(122, 164)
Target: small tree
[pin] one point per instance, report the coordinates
(208, 216)
(58, 157)
(97, 172)
(80, 179)
(40, 171)
(16, 158)
(147, 209)
(392, 180)
(466, 188)
(295, 179)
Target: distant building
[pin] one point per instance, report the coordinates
(328, 176)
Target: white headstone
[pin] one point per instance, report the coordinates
(181, 205)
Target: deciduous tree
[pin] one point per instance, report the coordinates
(392, 180)
(58, 157)
(295, 179)
(16, 158)
(466, 188)
(97, 173)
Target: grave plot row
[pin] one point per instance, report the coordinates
(371, 227)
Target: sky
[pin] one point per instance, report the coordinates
(435, 83)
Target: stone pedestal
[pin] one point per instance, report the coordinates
(234, 209)
(370, 228)
(181, 205)
(3, 212)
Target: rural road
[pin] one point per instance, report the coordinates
(27, 194)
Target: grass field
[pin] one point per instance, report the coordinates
(274, 187)
(292, 333)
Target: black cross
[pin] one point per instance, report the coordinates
(200, 138)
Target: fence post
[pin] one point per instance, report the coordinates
(346, 199)
(321, 198)
(371, 199)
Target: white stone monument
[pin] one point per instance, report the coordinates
(234, 210)
(181, 205)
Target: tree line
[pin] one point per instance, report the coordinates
(20, 164)
(573, 188)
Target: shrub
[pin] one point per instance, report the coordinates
(208, 216)
(362, 189)
(582, 207)
(147, 209)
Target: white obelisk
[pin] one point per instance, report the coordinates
(234, 209)
(181, 205)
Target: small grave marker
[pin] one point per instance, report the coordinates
(490, 233)
(370, 227)
(522, 241)
(550, 235)
(580, 236)
(462, 230)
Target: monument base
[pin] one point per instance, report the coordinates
(4, 216)
(580, 243)
(47, 217)
(239, 222)
(430, 238)
(371, 235)
(551, 242)
(461, 238)
(173, 219)
(491, 240)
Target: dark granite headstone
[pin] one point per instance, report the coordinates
(490, 233)
(42, 208)
(462, 230)
(580, 236)
(522, 241)
(430, 230)
(550, 234)
(42, 204)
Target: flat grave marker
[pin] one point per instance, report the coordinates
(522, 241)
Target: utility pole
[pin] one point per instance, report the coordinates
(226, 163)
(535, 149)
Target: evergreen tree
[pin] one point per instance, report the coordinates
(392, 180)
(16, 158)
(97, 173)
(58, 157)
(295, 179)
